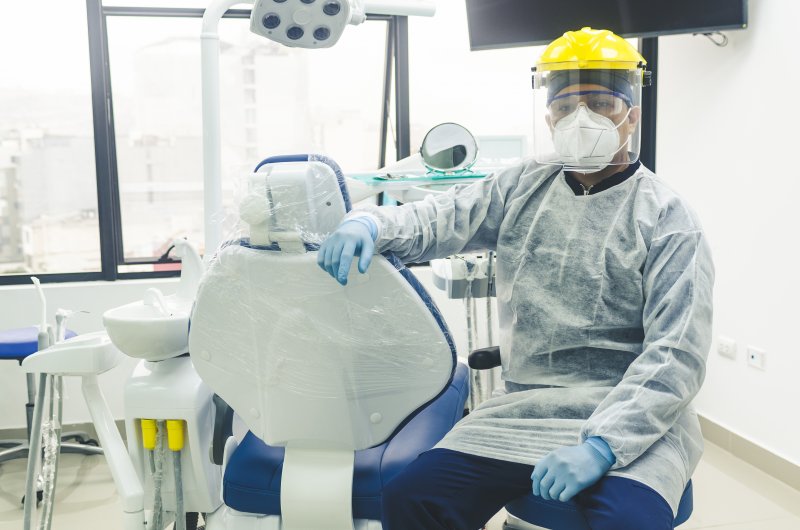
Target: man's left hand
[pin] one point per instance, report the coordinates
(563, 473)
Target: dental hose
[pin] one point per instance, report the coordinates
(149, 442)
(52, 432)
(492, 381)
(52, 451)
(48, 458)
(476, 385)
(158, 474)
(175, 439)
(59, 389)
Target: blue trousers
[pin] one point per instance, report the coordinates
(449, 490)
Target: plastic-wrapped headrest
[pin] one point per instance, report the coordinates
(292, 201)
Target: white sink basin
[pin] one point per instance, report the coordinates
(154, 329)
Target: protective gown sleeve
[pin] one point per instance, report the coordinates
(465, 218)
(661, 382)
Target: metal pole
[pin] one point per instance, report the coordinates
(402, 88)
(35, 442)
(387, 91)
(31, 382)
(212, 135)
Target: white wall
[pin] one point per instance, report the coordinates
(727, 137)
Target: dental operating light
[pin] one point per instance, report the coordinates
(320, 23)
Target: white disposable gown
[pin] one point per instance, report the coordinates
(605, 306)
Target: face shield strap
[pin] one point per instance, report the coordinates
(621, 81)
(624, 97)
(616, 128)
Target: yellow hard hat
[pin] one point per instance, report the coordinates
(573, 71)
(590, 49)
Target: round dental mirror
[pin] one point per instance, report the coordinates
(449, 148)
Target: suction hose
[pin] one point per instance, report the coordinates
(158, 477)
(52, 451)
(175, 437)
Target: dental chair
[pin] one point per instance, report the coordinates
(340, 387)
(531, 512)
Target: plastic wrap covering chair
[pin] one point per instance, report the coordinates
(17, 345)
(531, 512)
(341, 387)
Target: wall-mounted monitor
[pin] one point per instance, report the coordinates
(509, 23)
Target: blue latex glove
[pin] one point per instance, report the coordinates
(354, 237)
(565, 472)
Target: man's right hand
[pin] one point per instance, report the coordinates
(354, 237)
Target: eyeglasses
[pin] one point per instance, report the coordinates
(606, 103)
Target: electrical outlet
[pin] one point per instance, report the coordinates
(726, 347)
(757, 358)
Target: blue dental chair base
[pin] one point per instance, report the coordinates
(252, 481)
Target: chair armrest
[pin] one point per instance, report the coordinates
(484, 358)
(223, 429)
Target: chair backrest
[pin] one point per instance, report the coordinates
(303, 359)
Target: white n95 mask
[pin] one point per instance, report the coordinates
(586, 139)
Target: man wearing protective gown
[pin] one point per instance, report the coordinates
(604, 292)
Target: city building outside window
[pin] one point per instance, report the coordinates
(48, 193)
(275, 101)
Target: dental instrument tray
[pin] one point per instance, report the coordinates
(381, 179)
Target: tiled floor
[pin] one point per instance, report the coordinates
(729, 495)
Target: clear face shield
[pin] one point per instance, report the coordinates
(587, 119)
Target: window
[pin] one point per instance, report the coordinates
(60, 214)
(275, 101)
(48, 186)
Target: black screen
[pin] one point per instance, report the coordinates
(507, 23)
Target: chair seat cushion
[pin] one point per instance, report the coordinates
(566, 515)
(252, 479)
(19, 343)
